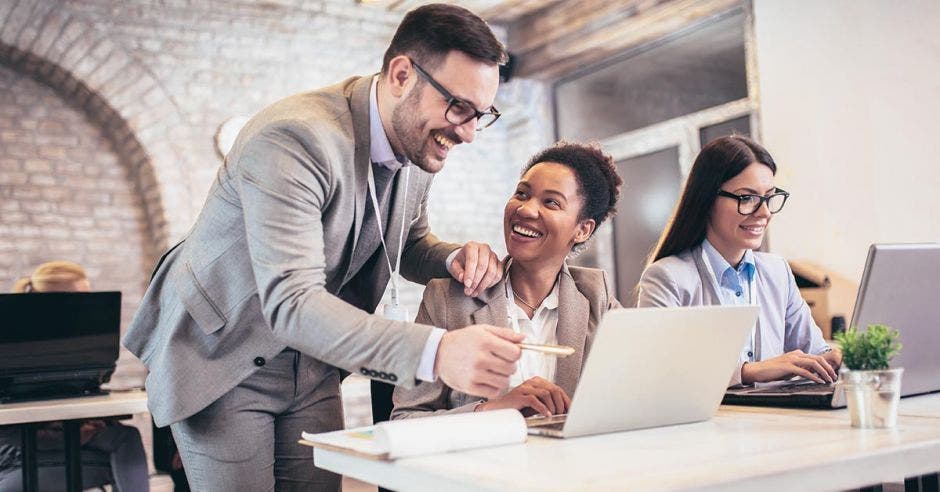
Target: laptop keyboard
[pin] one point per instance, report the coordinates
(796, 388)
(555, 422)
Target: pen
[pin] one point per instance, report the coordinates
(560, 351)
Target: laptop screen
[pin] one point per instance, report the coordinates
(899, 289)
(58, 331)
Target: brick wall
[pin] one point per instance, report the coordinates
(64, 194)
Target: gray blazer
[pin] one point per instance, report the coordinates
(783, 324)
(275, 241)
(583, 297)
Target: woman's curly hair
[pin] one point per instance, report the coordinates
(598, 181)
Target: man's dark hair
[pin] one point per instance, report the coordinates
(428, 33)
(598, 181)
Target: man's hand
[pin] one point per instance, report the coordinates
(477, 267)
(536, 395)
(793, 363)
(478, 359)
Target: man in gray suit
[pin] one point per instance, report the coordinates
(248, 321)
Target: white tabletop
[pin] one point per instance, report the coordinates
(741, 448)
(114, 403)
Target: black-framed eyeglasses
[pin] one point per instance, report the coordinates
(459, 111)
(748, 204)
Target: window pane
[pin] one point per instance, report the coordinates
(650, 190)
(696, 70)
(739, 126)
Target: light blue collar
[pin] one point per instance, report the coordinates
(380, 149)
(720, 266)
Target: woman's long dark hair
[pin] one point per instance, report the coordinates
(719, 161)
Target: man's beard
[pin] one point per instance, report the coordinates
(407, 126)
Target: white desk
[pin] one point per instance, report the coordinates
(72, 411)
(88, 407)
(741, 448)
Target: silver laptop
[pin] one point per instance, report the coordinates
(639, 355)
(898, 289)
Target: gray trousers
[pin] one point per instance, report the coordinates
(247, 439)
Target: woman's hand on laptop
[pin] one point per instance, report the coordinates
(536, 395)
(794, 363)
(834, 358)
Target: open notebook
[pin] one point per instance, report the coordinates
(415, 437)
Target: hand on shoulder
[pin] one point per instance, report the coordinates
(477, 267)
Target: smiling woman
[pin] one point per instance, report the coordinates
(564, 193)
(706, 256)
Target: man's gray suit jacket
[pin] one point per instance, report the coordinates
(275, 241)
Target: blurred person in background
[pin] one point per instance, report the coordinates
(112, 453)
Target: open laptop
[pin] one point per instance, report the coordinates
(57, 344)
(629, 380)
(898, 289)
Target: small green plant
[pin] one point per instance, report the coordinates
(869, 350)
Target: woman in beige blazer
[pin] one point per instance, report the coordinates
(564, 193)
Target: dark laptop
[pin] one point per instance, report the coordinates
(57, 344)
(898, 289)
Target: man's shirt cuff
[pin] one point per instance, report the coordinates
(429, 356)
(736, 376)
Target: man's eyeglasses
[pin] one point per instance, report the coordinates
(459, 111)
(748, 204)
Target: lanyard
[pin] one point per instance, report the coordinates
(401, 234)
(751, 286)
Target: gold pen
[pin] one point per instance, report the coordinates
(560, 351)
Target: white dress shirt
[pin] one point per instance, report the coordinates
(540, 329)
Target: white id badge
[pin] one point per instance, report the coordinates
(396, 313)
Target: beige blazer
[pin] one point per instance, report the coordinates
(584, 295)
(275, 241)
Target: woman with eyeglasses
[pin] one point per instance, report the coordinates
(564, 193)
(707, 256)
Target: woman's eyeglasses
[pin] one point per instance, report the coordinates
(748, 204)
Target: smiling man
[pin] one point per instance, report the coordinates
(248, 320)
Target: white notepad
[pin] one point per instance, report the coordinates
(419, 436)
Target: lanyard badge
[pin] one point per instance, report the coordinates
(394, 311)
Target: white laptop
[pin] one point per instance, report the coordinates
(650, 367)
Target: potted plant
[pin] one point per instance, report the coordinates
(872, 391)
